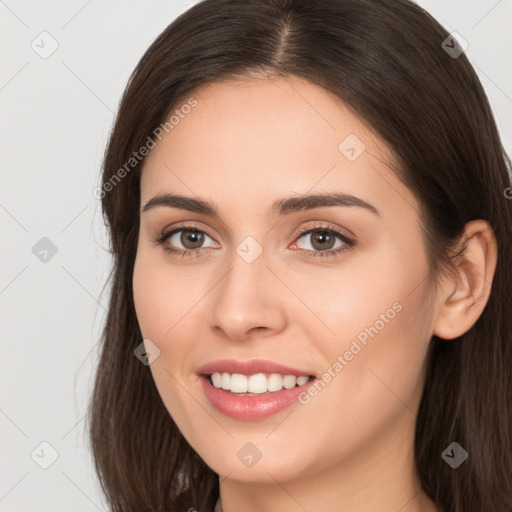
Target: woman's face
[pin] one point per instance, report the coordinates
(351, 310)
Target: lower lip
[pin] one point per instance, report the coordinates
(245, 407)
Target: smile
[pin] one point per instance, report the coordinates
(256, 384)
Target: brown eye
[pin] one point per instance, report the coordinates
(322, 240)
(191, 239)
(185, 239)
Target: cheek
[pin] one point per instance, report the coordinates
(378, 355)
(162, 316)
(388, 350)
(363, 296)
(374, 378)
(160, 296)
(381, 325)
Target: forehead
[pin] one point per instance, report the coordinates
(258, 136)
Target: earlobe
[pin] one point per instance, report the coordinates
(464, 294)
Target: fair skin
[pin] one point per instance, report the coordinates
(245, 145)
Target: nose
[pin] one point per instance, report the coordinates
(249, 300)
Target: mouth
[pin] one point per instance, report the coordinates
(253, 389)
(258, 384)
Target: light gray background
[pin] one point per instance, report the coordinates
(55, 117)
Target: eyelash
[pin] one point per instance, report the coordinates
(348, 242)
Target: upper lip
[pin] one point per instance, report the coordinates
(250, 367)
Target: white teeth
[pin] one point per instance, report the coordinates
(238, 383)
(275, 382)
(226, 381)
(289, 381)
(258, 383)
(217, 379)
(302, 380)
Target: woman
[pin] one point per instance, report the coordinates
(307, 205)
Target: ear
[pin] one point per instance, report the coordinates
(464, 295)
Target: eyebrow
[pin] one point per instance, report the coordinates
(280, 207)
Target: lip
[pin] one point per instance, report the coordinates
(251, 407)
(256, 407)
(250, 367)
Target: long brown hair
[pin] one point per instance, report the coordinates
(386, 59)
